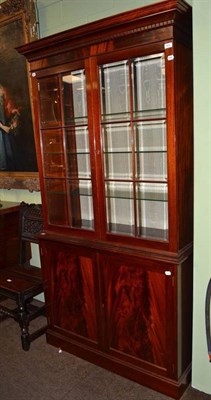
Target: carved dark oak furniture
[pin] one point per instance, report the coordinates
(22, 281)
(114, 131)
(9, 244)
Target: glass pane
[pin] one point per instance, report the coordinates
(79, 166)
(49, 99)
(77, 145)
(152, 210)
(54, 164)
(120, 207)
(74, 97)
(115, 98)
(151, 166)
(117, 151)
(77, 139)
(81, 202)
(116, 138)
(149, 94)
(56, 201)
(150, 147)
(118, 165)
(150, 136)
(52, 141)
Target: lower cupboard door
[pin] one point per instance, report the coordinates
(73, 291)
(136, 313)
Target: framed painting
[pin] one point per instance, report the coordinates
(18, 164)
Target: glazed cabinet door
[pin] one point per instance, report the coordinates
(65, 147)
(71, 291)
(133, 121)
(139, 312)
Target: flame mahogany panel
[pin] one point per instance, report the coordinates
(136, 311)
(74, 294)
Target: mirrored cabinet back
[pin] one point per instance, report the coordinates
(112, 105)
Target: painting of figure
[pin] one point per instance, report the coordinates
(17, 147)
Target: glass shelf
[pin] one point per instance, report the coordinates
(152, 233)
(130, 152)
(73, 153)
(115, 117)
(142, 232)
(150, 198)
(138, 115)
(149, 114)
(76, 122)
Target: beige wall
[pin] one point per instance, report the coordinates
(202, 186)
(58, 15)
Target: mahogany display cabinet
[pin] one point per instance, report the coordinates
(113, 120)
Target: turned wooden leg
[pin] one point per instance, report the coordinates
(23, 322)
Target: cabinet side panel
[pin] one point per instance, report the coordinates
(185, 304)
(184, 131)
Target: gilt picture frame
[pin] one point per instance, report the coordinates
(18, 164)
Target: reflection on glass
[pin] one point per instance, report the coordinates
(149, 93)
(74, 97)
(49, 100)
(120, 207)
(54, 164)
(152, 210)
(52, 141)
(56, 201)
(81, 204)
(115, 98)
(78, 157)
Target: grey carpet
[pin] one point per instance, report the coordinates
(44, 373)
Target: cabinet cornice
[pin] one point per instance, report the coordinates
(175, 13)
